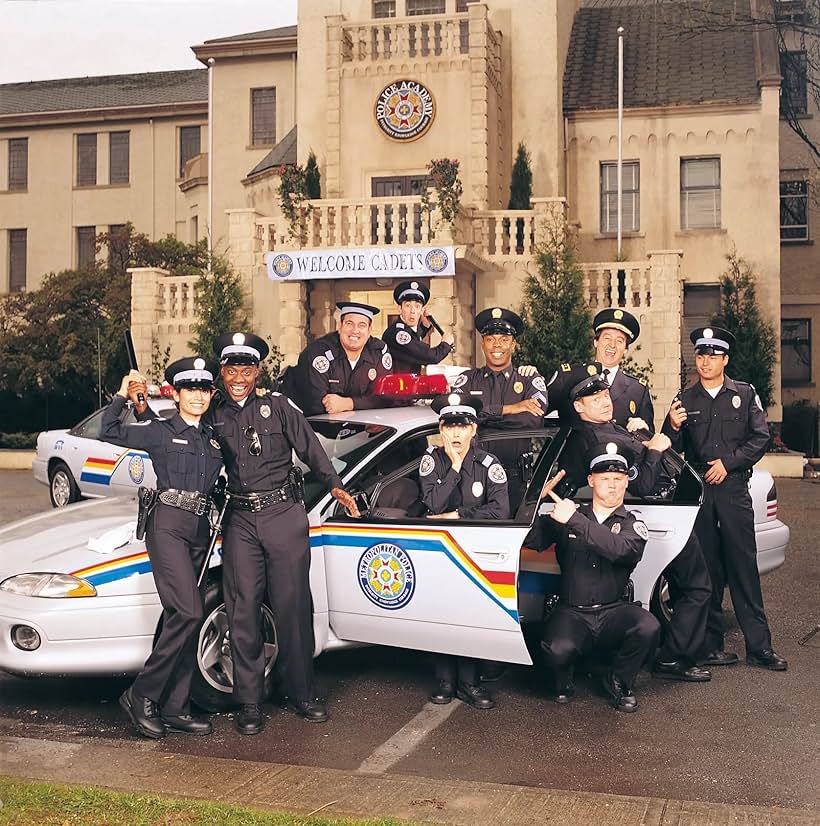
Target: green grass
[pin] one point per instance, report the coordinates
(45, 804)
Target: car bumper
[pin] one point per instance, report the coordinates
(39, 467)
(772, 539)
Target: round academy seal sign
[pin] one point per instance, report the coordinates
(386, 576)
(404, 110)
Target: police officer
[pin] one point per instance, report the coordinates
(461, 481)
(597, 547)
(615, 330)
(337, 372)
(720, 425)
(187, 460)
(407, 338)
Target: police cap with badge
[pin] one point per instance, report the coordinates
(411, 291)
(456, 408)
(617, 319)
(497, 321)
(241, 348)
(366, 310)
(583, 379)
(610, 458)
(712, 341)
(190, 372)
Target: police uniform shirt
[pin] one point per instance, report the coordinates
(324, 368)
(409, 350)
(631, 399)
(479, 491)
(731, 427)
(503, 387)
(596, 559)
(185, 457)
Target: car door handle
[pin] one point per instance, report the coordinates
(490, 556)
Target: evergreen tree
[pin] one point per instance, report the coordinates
(521, 180)
(313, 180)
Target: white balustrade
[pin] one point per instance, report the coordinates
(618, 284)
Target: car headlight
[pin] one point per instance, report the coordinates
(52, 586)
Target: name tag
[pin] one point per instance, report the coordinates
(180, 441)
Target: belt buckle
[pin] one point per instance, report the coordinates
(201, 507)
(255, 502)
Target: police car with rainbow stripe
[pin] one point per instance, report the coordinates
(77, 595)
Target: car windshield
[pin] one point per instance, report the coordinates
(346, 444)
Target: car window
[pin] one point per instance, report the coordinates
(89, 428)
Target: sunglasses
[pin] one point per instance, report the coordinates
(255, 446)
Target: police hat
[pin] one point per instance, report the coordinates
(411, 291)
(240, 348)
(712, 340)
(457, 408)
(346, 307)
(609, 457)
(582, 379)
(617, 319)
(192, 371)
(499, 320)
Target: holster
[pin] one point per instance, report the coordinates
(147, 499)
(297, 484)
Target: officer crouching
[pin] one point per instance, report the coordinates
(597, 547)
(187, 461)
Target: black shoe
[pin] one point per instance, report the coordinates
(475, 695)
(679, 670)
(143, 714)
(767, 659)
(314, 711)
(186, 724)
(719, 657)
(443, 693)
(249, 719)
(564, 693)
(492, 671)
(620, 697)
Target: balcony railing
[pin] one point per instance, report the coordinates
(177, 300)
(618, 284)
(405, 38)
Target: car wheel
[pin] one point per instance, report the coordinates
(212, 685)
(62, 488)
(661, 603)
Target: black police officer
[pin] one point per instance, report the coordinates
(720, 425)
(461, 481)
(597, 547)
(615, 330)
(187, 460)
(336, 373)
(407, 338)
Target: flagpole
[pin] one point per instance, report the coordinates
(620, 134)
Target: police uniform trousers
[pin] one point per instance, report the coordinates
(623, 633)
(726, 530)
(176, 541)
(269, 553)
(457, 670)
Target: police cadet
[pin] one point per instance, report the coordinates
(597, 547)
(720, 425)
(266, 547)
(187, 461)
(407, 338)
(337, 372)
(461, 481)
(615, 330)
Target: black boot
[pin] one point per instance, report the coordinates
(186, 724)
(443, 693)
(679, 670)
(143, 714)
(249, 719)
(767, 659)
(314, 711)
(475, 695)
(619, 694)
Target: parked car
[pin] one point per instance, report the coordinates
(392, 577)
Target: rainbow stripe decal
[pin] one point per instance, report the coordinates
(114, 569)
(99, 471)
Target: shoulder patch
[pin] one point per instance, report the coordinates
(321, 364)
(387, 359)
(427, 465)
(403, 337)
(641, 529)
(758, 402)
(539, 384)
(460, 380)
(497, 474)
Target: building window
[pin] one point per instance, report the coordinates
(118, 247)
(86, 251)
(87, 160)
(17, 260)
(462, 5)
(630, 197)
(263, 116)
(794, 210)
(118, 151)
(699, 193)
(189, 145)
(415, 7)
(384, 8)
(793, 92)
(18, 163)
(194, 239)
(795, 350)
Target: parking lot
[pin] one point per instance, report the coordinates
(749, 736)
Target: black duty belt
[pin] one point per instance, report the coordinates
(597, 605)
(186, 500)
(260, 500)
(702, 470)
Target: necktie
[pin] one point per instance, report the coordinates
(608, 376)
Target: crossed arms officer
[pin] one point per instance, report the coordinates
(597, 547)
(187, 461)
(336, 373)
(720, 425)
(407, 338)
(460, 481)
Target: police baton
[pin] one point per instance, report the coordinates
(436, 325)
(132, 359)
(216, 528)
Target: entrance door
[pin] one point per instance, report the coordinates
(409, 217)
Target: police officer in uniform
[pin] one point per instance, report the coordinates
(336, 373)
(615, 330)
(597, 547)
(720, 425)
(407, 338)
(187, 460)
(461, 481)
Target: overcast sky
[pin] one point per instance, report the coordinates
(46, 39)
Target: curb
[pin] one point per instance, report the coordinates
(16, 459)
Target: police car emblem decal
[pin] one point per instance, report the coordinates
(736, 402)
(616, 528)
(459, 380)
(321, 364)
(478, 489)
(436, 260)
(518, 387)
(264, 411)
(136, 469)
(282, 265)
(497, 474)
(371, 373)
(386, 576)
(632, 407)
(387, 361)
(539, 384)
(402, 337)
(427, 465)
(641, 530)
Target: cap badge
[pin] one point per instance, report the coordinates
(518, 387)
(496, 313)
(453, 398)
(371, 373)
(238, 338)
(264, 411)
(618, 314)
(592, 370)
(611, 448)
(414, 285)
(632, 406)
(199, 364)
(736, 402)
(708, 332)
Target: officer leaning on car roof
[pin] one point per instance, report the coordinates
(187, 460)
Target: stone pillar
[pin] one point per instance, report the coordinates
(291, 298)
(321, 301)
(479, 106)
(451, 304)
(145, 313)
(333, 106)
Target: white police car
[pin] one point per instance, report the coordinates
(75, 464)
(393, 577)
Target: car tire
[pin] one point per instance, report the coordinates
(212, 684)
(661, 603)
(62, 488)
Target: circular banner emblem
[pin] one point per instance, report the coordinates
(436, 260)
(386, 576)
(404, 110)
(282, 265)
(136, 469)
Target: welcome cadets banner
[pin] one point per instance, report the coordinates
(361, 262)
